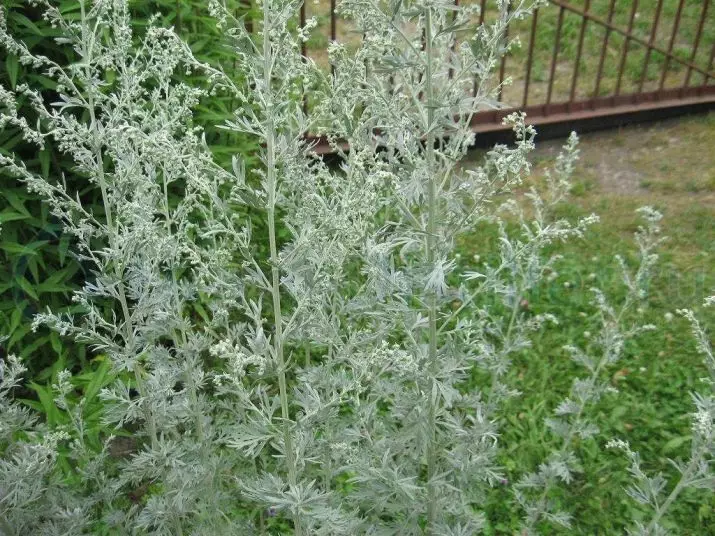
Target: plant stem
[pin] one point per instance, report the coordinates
(177, 526)
(271, 181)
(562, 450)
(278, 336)
(682, 483)
(112, 237)
(507, 337)
(193, 396)
(431, 225)
(5, 528)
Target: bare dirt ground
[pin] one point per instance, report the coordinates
(673, 158)
(668, 165)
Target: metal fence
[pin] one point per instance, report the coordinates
(583, 60)
(668, 92)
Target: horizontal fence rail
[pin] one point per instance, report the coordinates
(584, 60)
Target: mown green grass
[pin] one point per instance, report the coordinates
(659, 369)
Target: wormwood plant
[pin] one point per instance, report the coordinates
(696, 471)
(207, 407)
(570, 420)
(433, 460)
(131, 136)
(352, 381)
(37, 271)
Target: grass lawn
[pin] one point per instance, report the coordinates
(670, 166)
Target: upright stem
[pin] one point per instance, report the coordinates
(507, 339)
(542, 504)
(5, 527)
(271, 181)
(431, 227)
(177, 527)
(118, 271)
(682, 483)
(193, 396)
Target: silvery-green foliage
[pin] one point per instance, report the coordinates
(301, 291)
(376, 349)
(604, 348)
(523, 265)
(204, 457)
(35, 495)
(127, 125)
(653, 491)
(325, 387)
(423, 449)
(25, 505)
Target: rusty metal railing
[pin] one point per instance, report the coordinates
(672, 73)
(597, 104)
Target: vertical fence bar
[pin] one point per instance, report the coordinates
(710, 66)
(554, 58)
(482, 9)
(626, 47)
(179, 17)
(696, 45)
(420, 77)
(302, 23)
(248, 20)
(333, 21)
(454, 42)
(649, 49)
(579, 51)
(676, 27)
(502, 67)
(604, 49)
(530, 59)
(333, 29)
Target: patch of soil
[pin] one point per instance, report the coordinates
(669, 157)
